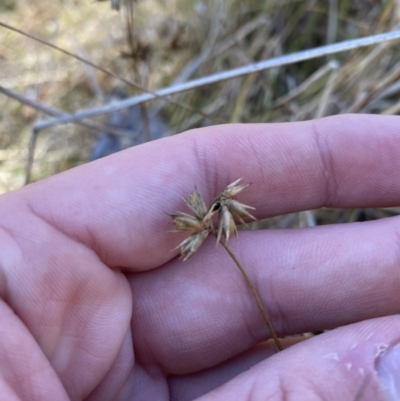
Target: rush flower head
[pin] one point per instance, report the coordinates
(239, 210)
(197, 204)
(197, 225)
(233, 189)
(200, 225)
(190, 245)
(186, 222)
(226, 224)
(229, 209)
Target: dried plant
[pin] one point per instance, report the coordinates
(201, 225)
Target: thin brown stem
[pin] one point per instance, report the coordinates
(255, 294)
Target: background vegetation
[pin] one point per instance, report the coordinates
(158, 43)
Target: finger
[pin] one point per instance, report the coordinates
(351, 363)
(309, 280)
(189, 387)
(117, 205)
(25, 373)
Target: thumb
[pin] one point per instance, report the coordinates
(352, 363)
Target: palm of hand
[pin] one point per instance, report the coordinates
(93, 305)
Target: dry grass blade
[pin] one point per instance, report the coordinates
(323, 105)
(332, 22)
(391, 77)
(307, 83)
(31, 157)
(208, 52)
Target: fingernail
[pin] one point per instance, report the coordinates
(388, 370)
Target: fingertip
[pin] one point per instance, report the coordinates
(388, 370)
(348, 363)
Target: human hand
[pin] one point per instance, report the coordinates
(95, 306)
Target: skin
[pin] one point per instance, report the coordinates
(94, 305)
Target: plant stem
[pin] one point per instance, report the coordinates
(255, 294)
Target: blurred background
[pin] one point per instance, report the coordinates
(159, 43)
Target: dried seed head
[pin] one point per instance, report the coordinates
(197, 204)
(239, 210)
(186, 222)
(214, 208)
(233, 189)
(200, 225)
(226, 224)
(190, 245)
(229, 209)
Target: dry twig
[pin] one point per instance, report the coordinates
(230, 74)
